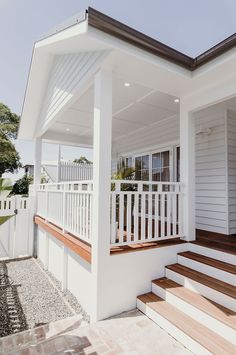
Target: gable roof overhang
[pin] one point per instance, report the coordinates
(96, 31)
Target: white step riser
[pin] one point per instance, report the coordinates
(212, 253)
(208, 270)
(203, 318)
(208, 292)
(192, 345)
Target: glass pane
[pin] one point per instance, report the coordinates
(145, 174)
(138, 164)
(138, 175)
(145, 162)
(165, 158)
(156, 160)
(165, 175)
(156, 176)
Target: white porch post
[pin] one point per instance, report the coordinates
(37, 160)
(187, 172)
(59, 163)
(102, 142)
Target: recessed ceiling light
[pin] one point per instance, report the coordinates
(68, 129)
(127, 84)
(176, 100)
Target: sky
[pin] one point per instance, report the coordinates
(189, 26)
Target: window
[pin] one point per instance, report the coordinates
(161, 166)
(142, 168)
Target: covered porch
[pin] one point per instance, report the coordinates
(93, 90)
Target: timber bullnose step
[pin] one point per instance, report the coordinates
(196, 302)
(192, 334)
(212, 267)
(210, 287)
(211, 314)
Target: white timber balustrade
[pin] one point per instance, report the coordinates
(68, 206)
(143, 211)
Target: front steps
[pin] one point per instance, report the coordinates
(196, 302)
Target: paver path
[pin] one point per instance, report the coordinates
(130, 333)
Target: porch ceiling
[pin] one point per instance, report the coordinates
(134, 108)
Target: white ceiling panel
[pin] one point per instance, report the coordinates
(161, 100)
(124, 96)
(144, 114)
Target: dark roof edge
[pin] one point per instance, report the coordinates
(119, 30)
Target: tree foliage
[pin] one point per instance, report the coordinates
(82, 160)
(9, 157)
(21, 186)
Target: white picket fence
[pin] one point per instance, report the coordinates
(75, 172)
(67, 205)
(144, 211)
(16, 233)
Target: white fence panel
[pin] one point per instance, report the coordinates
(75, 172)
(16, 232)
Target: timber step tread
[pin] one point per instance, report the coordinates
(206, 280)
(213, 309)
(209, 261)
(196, 331)
(215, 245)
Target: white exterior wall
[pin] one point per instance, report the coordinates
(129, 275)
(78, 276)
(211, 172)
(231, 145)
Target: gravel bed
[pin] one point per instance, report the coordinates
(28, 298)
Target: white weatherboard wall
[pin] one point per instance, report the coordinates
(211, 171)
(231, 151)
(78, 275)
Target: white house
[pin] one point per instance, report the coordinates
(99, 83)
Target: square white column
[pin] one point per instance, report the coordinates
(187, 172)
(102, 143)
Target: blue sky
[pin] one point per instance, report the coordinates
(188, 25)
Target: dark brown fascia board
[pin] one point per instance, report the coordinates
(119, 30)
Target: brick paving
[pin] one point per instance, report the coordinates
(129, 333)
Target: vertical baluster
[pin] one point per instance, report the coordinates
(156, 209)
(128, 217)
(168, 201)
(143, 216)
(174, 210)
(121, 217)
(113, 217)
(162, 214)
(136, 218)
(149, 214)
